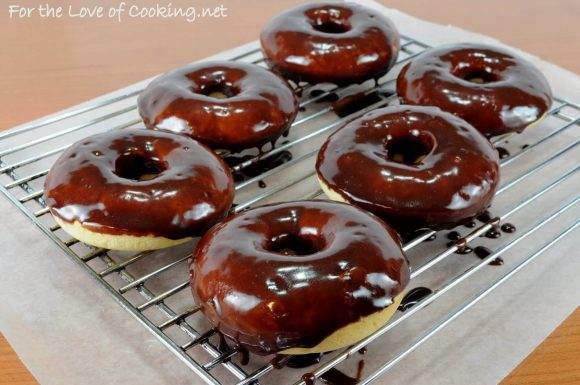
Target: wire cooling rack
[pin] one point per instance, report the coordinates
(153, 286)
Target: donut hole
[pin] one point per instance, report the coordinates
(331, 26)
(294, 244)
(480, 76)
(410, 149)
(138, 167)
(330, 20)
(219, 90)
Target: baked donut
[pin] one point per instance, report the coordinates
(136, 189)
(414, 167)
(299, 277)
(336, 42)
(225, 105)
(493, 90)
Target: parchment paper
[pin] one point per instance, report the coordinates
(68, 330)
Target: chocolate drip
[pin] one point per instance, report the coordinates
(335, 377)
(257, 168)
(484, 217)
(359, 369)
(330, 97)
(223, 344)
(303, 360)
(411, 235)
(508, 228)
(502, 152)
(483, 252)
(497, 262)
(261, 184)
(413, 297)
(493, 233)
(297, 362)
(470, 224)
(463, 249)
(453, 235)
(309, 378)
(352, 103)
(244, 355)
(316, 92)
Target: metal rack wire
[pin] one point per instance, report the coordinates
(151, 285)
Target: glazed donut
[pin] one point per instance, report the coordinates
(136, 189)
(493, 90)
(414, 167)
(299, 277)
(225, 105)
(336, 42)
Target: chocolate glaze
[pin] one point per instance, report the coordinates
(314, 43)
(140, 182)
(273, 277)
(494, 90)
(414, 296)
(258, 106)
(415, 167)
(508, 228)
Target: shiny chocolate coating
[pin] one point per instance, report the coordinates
(493, 90)
(225, 105)
(140, 182)
(415, 167)
(337, 42)
(290, 274)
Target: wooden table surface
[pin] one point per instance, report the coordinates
(50, 64)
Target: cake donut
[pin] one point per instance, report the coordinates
(299, 277)
(336, 42)
(414, 167)
(225, 105)
(494, 90)
(136, 189)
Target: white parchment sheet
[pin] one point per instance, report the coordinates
(69, 330)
